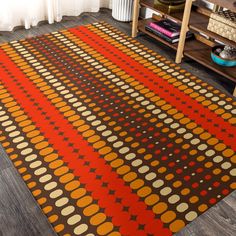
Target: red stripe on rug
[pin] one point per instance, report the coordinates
(121, 59)
(112, 208)
(73, 76)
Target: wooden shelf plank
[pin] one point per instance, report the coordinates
(195, 50)
(229, 4)
(203, 56)
(150, 4)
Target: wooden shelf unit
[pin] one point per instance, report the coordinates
(195, 50)
(198, 49)
(198, 21)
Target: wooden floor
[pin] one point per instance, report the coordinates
(19, 213)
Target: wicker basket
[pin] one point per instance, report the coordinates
(224, 24)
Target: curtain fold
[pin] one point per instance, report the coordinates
(29, 12)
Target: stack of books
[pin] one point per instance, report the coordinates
(167, 29)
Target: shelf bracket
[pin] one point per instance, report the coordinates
(184, 29)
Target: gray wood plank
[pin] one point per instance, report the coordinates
(19, 213)
(220, 220)
(4, 161)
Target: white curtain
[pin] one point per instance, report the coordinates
(30, 12)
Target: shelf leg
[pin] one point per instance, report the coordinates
(135, 18)
(234, 93)
(184, 29)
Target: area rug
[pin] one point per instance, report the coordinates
(110, 137)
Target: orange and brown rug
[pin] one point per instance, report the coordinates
(110, 137)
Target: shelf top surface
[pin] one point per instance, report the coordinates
(229, 4)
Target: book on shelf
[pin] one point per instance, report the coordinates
(174, 39)
(167, 27)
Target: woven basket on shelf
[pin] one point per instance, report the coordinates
(224, 24)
